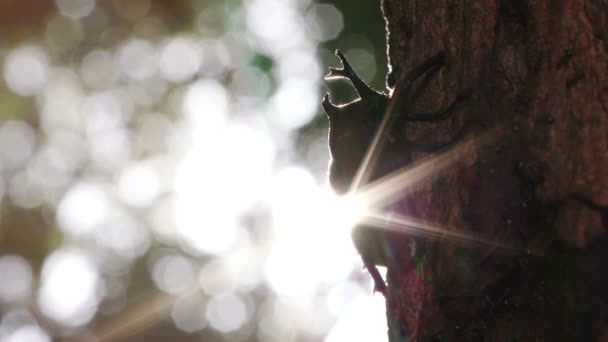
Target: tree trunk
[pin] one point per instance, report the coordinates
(538, 74)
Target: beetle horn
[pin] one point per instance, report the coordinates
(329, 108)
(349, 73)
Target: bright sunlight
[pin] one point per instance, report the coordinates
(163, 172)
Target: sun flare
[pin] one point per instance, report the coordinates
(345, 211)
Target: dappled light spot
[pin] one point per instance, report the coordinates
(188, 313)
(60, 103)
(139, 184)
(98, 69)
(17, 144)
(104, 112)
(111, 149)
(29, 333)
(226, 312)
(180, 59)
(75, 9)
(123, 234)
(299, 64)
(26, 70)
(271, 19)
(293, 104)
(24, 191)
(69, 284)
(205, 104)
(324, 22)
(85, 206)
(13, 319)
(17, 283)
(365, 58)
(173, 274)
(217, 277)
(138, 59)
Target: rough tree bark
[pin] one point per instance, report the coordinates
(538, 70)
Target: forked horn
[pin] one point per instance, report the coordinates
(349, 73)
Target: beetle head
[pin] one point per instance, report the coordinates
(351, 131)
(351, 126)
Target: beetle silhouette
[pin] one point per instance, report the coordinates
(352, 128)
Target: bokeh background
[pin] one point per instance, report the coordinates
(163, 171)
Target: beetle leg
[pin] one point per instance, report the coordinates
(379, 284)
(456, 137)
(436, 116)
(436, 61)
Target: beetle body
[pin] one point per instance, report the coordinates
(353, 127)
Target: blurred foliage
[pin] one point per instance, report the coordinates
(124, 165)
